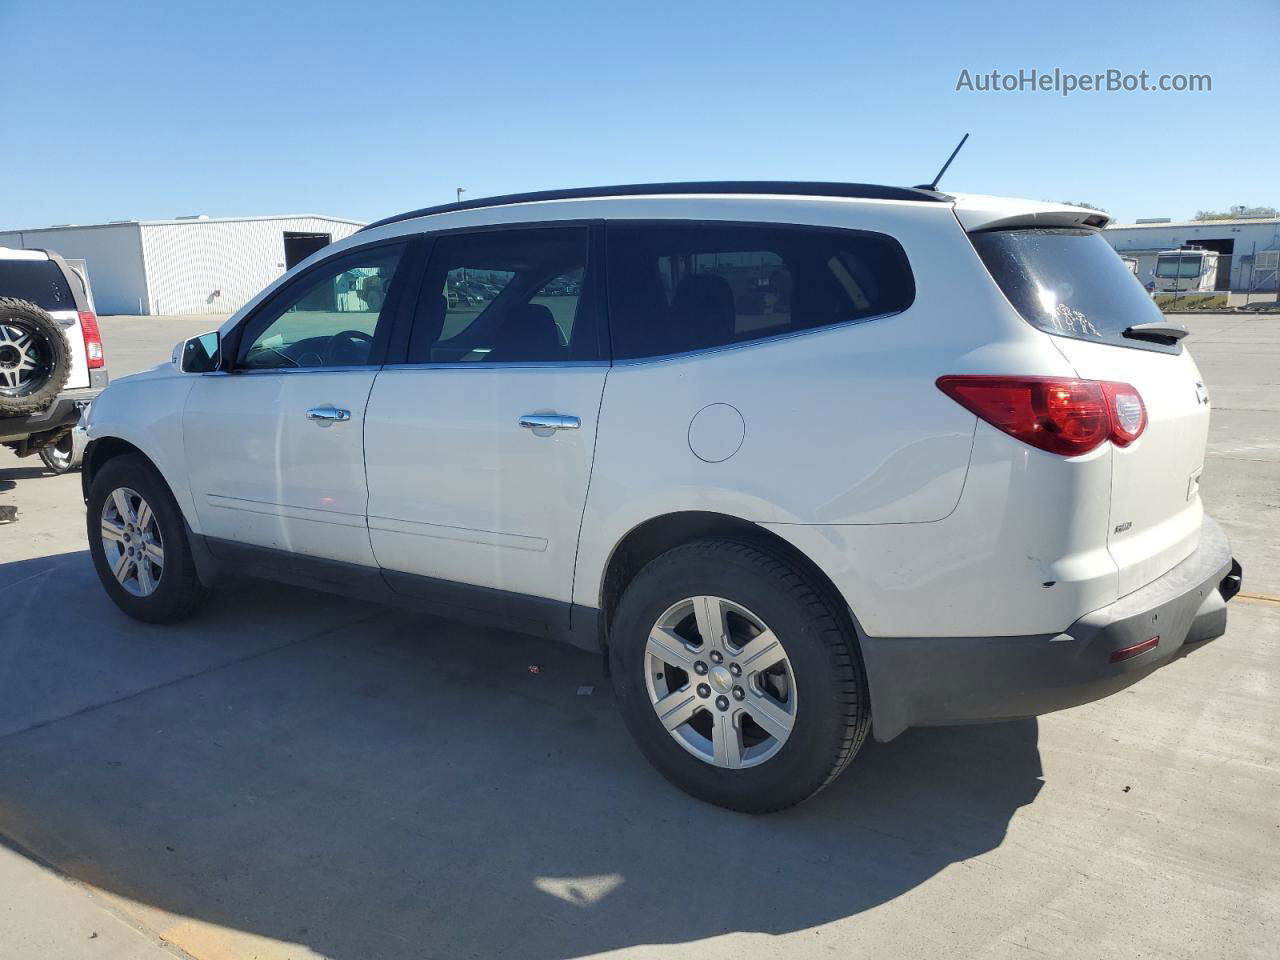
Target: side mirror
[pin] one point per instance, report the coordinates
(202, 354)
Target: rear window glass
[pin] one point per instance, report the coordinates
(676, 287)
(39, 281)
(1070, 283)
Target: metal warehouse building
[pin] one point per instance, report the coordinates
(185, 265)
(1248, 249)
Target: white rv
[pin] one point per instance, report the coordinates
(1186, 270)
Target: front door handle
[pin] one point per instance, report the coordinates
(549, 421)
(328, 414)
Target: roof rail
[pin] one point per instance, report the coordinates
(799, 188)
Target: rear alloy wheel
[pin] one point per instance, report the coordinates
(720, 682)
(738, 675)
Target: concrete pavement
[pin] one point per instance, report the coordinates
(292, 775)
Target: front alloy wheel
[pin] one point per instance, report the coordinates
(132, 542)
(720, 682)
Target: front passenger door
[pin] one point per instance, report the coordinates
(275, 443)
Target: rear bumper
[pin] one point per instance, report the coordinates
(934, 681)
(66, 409)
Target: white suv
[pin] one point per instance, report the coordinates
(803, 460)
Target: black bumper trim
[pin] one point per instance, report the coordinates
(935, 681)
(62, 411)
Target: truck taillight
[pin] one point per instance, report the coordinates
(92, 340)
(1062, 416)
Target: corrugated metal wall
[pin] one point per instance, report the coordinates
(1263, 235)
(113, 258)
(209, 266)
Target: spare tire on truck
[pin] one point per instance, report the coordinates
(35, 358)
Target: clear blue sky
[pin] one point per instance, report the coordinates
(366, 108)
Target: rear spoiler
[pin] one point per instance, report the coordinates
(976, 212)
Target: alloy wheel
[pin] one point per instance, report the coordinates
(25, 359)
(58, 455)
(720, 682)
(132, 542)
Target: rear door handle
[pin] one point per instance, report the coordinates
(549, 421)
(328, 414)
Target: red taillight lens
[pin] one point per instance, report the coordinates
(92, 340)
(1066, 417)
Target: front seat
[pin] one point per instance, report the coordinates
(702, 311)
(528, 333)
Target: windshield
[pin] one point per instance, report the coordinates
(1069, 283)
(39, 281)
(1186, 265)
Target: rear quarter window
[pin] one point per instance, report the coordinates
(1069, 283)
(676, 287)
(39, 281)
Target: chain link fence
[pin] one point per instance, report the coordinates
(1248, 279)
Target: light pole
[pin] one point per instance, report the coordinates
(460, 192)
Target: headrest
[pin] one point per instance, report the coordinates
(528, 333)
(702, 311)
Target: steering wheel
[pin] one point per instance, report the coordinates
(344, 348)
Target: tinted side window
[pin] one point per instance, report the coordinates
(328, 318)
(675, 287)
(507, 296)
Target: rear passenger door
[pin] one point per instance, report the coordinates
(479, 440)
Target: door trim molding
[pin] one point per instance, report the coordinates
(224, 560)
(284, 510)
(441, 531)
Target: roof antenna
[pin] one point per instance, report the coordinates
(934, 184)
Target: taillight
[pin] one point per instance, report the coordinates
(92, 339)
(1066, 417)
(1128, 413)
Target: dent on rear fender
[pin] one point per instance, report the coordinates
(1024, 519)
(921, 482)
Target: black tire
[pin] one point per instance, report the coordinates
(178, 592)
(833, 708)
(29, 334)
(59, 457)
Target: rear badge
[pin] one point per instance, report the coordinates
(1122, 527)
(1202, 395)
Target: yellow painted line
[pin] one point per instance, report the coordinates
(1257, 598)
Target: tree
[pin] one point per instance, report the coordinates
(1235, 213)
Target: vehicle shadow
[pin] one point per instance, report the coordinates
(7, 476)
(374, 783)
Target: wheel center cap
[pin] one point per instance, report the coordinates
(721, 678)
